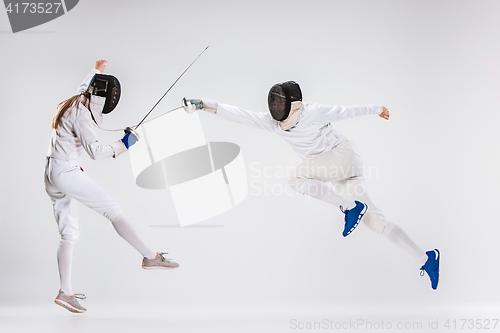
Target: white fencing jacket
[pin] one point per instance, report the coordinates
(76, 134)
(312, 135)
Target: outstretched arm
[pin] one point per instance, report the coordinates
(331, 113)
(262, 120)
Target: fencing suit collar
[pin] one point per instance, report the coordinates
(96, 107)
(293, 117)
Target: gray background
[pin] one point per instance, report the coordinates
(434, 64)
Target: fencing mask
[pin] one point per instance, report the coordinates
(280, 99)
(106, 86)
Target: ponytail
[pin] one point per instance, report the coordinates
(66, 105)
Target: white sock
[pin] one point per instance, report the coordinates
(325, 191)
(398, 236)
(64, 261)
(127, 232)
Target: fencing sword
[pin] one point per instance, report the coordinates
(147, 121)
(133, 131)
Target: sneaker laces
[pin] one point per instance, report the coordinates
(424, 268)
(81, 296)
(160, 254)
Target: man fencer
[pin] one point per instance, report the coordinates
(331, 170)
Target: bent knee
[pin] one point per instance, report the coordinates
(114, 214)
(374, 222)
(69, 239)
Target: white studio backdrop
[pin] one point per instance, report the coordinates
(434, 64)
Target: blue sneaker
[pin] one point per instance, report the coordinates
(432, 267)
(353, 217)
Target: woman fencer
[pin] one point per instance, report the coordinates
(66, 182)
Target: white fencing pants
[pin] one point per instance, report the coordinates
(343, 168)
(66, 183)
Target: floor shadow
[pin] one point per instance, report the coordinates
(188, 226)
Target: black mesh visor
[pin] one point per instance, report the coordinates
(106, 86)
(100, 85)
(277, 103)
(280, 99)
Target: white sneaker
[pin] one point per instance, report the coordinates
(159, 262)
(70, 302)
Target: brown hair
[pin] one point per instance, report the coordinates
(66, 105)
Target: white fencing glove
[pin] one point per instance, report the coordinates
(191, 105)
